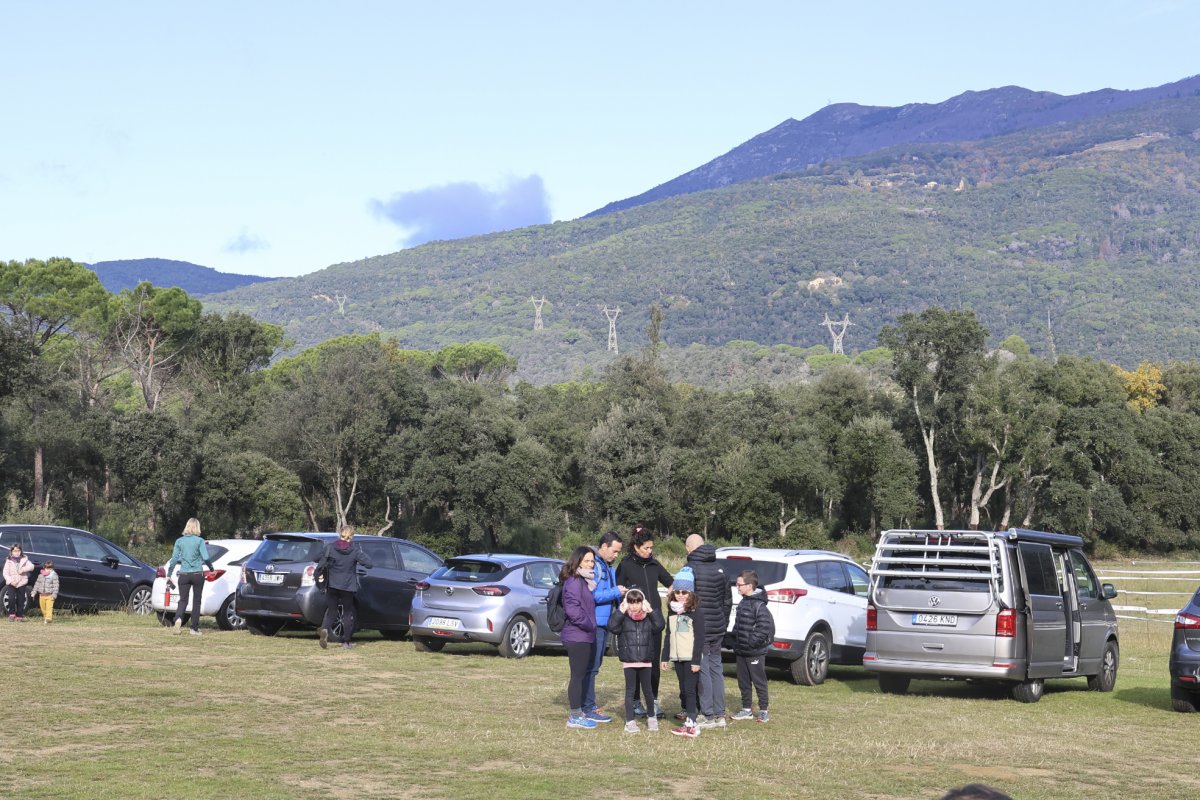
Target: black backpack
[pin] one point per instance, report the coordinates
(556, 615)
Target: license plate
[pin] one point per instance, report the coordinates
(270, 578)
(941, 620)
(445, 623)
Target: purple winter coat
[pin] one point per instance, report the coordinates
(580, 608)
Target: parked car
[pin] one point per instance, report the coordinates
(1016, 606)
(279, 583)
(498, 599)
(1185, 657)
(219, 596)
(818, 599)
(93, 572)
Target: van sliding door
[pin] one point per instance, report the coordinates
(1046, 621)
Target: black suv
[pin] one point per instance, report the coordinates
(92, 571)
(279, 582)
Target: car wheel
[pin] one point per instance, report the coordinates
(228, 618)
(1029, 691)
(893, 684)
(393, 634)
(1183, 701)
(518, 638)
(263, 627)
(165, 618)
(812, 667)
(427, 644)
(140, 601)
(1106, 679)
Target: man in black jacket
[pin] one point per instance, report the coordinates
(641, 570)
(716, 601)
(753, 631)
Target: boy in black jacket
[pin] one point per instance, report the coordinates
(753, 631)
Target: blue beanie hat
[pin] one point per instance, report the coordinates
(685, 580)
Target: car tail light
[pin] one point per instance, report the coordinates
(1186, 621)
(410, 619)
(872, 618)
(782, 645)
(490, 591)
(738, 558)
(212, 575)
(309, 576)
(1006, 623)
(245, 573)
(161, 572)
(422, 585)
(785, 595)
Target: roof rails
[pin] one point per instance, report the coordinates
(938, 554)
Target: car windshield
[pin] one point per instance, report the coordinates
(275, 551)
(469, 569)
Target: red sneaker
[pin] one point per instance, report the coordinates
(690, 731)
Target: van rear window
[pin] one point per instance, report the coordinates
(936, 563)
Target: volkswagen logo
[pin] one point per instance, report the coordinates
(934, 601)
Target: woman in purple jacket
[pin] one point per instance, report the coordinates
(579, 631)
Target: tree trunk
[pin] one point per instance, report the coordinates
(929, 437)
(39, 485)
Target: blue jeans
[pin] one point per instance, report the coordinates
(589, 680)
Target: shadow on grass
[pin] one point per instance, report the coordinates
(1159, 699)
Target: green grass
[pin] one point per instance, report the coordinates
(113, 706)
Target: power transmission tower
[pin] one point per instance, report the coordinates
(341, 301)
(537, 312)
(612, 313)
(837, 335)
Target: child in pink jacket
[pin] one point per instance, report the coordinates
(16, 577)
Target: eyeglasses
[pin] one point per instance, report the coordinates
(739, 583)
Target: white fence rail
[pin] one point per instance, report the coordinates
(1162, 580)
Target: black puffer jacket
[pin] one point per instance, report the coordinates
(713, 587)
(637, 639)
(753, 626)
(635, 572)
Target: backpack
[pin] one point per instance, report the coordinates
(556, 615)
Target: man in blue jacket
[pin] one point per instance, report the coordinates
(606, 592)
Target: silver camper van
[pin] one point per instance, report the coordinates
(1015, 607)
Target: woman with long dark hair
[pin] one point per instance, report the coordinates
(579, 632)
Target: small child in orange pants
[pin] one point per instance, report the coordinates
(46, 588)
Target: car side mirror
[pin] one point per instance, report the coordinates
(111, 561)
(1108, 590)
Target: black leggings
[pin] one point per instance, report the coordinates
(579, 656)
(689, 687)
(655, 677)
(190, 583)
(636, 677)
(18, 597)
(333, 599)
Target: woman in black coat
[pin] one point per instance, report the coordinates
(339, 566)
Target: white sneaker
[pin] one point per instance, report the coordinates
(178, 625)
(744, 714)
(631, 727)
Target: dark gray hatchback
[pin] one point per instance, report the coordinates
(1184, 663)
(279, 582)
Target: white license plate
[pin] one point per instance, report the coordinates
(270, 578)
(940, 620)
(445, 623)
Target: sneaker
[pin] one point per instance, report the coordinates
(681, 716)
(690, 731)
(652, 724)
(347, 645)
(20, 619)
(323, 637)
(631, 727)
(580, 722)
(704, 723)
(719, 722)
(596, 715)
(639, 710)
(742, 715)
(763, 716)
(194, 632)
(12, 617)
(178, 626)
(658, 712)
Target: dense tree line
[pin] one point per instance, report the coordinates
(129, 413)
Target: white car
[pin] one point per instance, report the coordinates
(818, 600)
(220, 586)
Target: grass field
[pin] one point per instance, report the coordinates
(113, 706)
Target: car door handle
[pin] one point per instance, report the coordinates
(544, 600)
(1083, 606)
(1058, 605)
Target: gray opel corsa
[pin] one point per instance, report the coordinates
(1015, 607)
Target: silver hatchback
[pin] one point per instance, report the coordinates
(495, 598)
(1016, 607)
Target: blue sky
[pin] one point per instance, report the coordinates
(277, 138)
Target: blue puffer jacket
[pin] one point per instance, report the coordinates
(606, 592)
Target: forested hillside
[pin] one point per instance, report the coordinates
(1081, 237)
(192, 278)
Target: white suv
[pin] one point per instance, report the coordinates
(818, 599)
